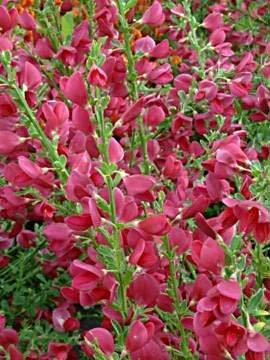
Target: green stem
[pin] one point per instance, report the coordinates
(90, 6)
(175, 293)
(132, 78)
(260, 262)
(115, 238)
(52, 152)
(144, 146)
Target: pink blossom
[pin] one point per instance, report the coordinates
(154, 15)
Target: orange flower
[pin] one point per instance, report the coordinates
(176, 60)
(27, 3)
(58, 2)
(29, 37)
(75, 12)
(159, 31)
(32, 13)
(114, 117)
(136, 34)
(19, 8)
(84, 13)
(125, 59)
(142, 5)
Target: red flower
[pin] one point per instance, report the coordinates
(144, 290)
(59, 351)
(63, 321)
(79, 222)
(31, 76)
(97, 77)
(8, 18)
(154, 115)
(116, 152)
(138, 184)
(253, 218)
(207, 90)
(74, 89)
(137, 336)
(102, 337)
(8, 142)
(142, 342)
(180, 240)
(213, 21)
(222, 300)
(208, 255)
(155, 225)
(161, 75)
(86, 276)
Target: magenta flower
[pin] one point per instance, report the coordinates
(137, 336)
(74, 89)
(222, 300)
(142, 342)
(217, 37)
(183, 82)
(79, 222)
(27, 21)
(85, 276)
(208, 255)
(8, 18)
(180, 240)
(161, 75)
(138, 184)
(154, 115)
(59, 351)
(213, 21)
(144, 254)
(63, 321)
(31, 76)
(102, 338)
(8, 142)
(67, 54)
(43, 48)
(116, 152)
(145, 45)
(257, 343)
(97, 77)
(241, 85)
(207, 90)
(154, 15)
(155, 225)
(59, 236)
(144, 290)
(161, 50)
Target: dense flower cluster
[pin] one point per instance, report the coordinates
(135, 177)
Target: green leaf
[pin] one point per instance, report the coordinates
(255, 301)
(63, 160)
(236, 242)
(260, 313)
(130, 4)
(102, 203)
(67, 25)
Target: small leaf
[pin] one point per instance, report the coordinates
(63, 160)
(259, 326)
(236, 242)
(255, 300)
(261, 313)
(67, 25)
(102, 204)
(130, 4)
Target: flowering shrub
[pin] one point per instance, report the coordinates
(135, 179)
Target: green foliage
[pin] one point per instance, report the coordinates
(67, 25)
